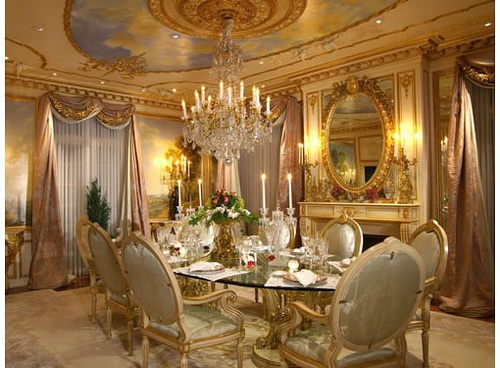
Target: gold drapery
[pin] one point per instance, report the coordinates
(468, 288)
(48, 265)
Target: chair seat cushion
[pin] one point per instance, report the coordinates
(201, 322)
(314, 344)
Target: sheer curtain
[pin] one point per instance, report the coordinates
(86, 151)
(49, 264)
(468, 288)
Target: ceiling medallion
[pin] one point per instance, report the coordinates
(202, 18)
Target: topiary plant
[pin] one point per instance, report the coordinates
(98, 209)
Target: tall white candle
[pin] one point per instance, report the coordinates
(179, 190)
(184, 112)
(268, 105)
(263, 190)
(242, 91)
(199, 192)
(289, 190)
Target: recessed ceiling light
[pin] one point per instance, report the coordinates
(175, 35)
(378, 21)
(102, 82)
(39, 29)
(174, 90)
(54, 74)
(6, 58)
(487, 24)
(143, 90)
(261, 62)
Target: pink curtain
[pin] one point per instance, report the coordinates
(48, 265)
(468, 288)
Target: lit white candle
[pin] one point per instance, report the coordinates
(199, 192)
(263, 190)
(202, 94)
(184, 112)
(301, 154)
(268, 105)
(221, 90)
(242, 91)
(179, 190)
(197, 98)
(289, 190)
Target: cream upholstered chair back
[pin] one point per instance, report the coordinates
(372, 304)
(431, 242)
(344, 237)
(109, 264)
(107, 260)
(82, 240)
(153, 281)
(182, 323)
(377, 296)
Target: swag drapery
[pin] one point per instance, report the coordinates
(468, 289)
(49, 265)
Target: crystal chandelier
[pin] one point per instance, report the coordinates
(225, 123)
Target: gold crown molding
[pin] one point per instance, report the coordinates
(203, 18)
(428, 49)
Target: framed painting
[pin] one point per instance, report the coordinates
(19, 143)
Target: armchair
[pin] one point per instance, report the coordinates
(431, 242)
(181, 323)
(119, 298)
(375, 298)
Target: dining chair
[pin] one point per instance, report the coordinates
(119, 297)
(82, 241)
(344, 237)
(431, 242)
(374, 301)
(182, 323)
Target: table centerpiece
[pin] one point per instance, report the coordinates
(223, 209)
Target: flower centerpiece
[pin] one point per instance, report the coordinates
(372, 194)
(223, 209)
(338, 192)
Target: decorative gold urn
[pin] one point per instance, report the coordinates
(225, 243)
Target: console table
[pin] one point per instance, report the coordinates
(388, 219)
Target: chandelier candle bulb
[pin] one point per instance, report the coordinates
(229, 96)
(221, 90)
(289, 190)
(184, 112)
(202, 94)
(263, 190)
(197, 98)
(268, 105)
(242, 91)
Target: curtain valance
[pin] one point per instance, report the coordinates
(74, 109)
(483, 75)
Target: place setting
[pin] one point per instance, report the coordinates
(293, 278)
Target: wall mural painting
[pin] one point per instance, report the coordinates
(19, 142)
(165, 162)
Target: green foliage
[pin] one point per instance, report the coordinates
(223, 208)
(98, 209)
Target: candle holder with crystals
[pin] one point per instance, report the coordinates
(405, 187)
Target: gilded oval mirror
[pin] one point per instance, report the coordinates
(357, 142)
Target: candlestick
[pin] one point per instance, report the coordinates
(263, 177)
(179, 191)
(199, 192)
(289, 190)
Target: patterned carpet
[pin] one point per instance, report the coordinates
(52, 329)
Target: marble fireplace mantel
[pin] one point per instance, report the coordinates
(387, 219)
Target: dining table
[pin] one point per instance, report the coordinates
(278, 284)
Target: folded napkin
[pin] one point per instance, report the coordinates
(345, 262)
(306, 277)
(205, 266)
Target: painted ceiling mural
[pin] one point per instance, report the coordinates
(126, 30)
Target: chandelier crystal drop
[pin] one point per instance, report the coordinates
(225, 122)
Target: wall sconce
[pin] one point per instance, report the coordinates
(405, 184)
(306, 166)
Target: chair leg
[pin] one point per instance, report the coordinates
(130, 331)
(108, 321)
(93, 291)
(239, 353)
(145, 351)
(425, 348)
(256, 295)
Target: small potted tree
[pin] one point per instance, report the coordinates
(98, 209)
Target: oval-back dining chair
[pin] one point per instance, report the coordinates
(181, 323)
(82, 241)
(372, 305)
(119, 298)
(431, 242)
(344, 237)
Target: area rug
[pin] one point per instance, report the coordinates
(48, 328)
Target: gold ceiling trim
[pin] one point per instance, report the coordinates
(202, 18)
(42, 58)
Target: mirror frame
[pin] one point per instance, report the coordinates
(351, 87)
